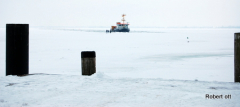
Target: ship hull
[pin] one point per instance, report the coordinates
(120, 30)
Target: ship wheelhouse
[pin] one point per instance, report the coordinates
(122, 25)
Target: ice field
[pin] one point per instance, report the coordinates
(142, 53)
(146, 67)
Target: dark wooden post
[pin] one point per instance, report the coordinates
(237, 57)
(17, 49)
(88, 62)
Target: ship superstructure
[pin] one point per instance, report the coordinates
(121, 27)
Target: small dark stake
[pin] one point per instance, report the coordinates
(17, 49)
(237, 57)
(88, 62)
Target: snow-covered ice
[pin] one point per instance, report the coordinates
(101, 90)
(146, 67)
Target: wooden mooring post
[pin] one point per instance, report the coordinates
(88, 62)
(17, 49)
(237, 57)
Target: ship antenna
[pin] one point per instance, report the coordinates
(123, 18)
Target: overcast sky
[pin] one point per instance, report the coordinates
(162, 13)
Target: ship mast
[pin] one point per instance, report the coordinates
(123, 18)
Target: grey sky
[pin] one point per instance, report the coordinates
(107, 12)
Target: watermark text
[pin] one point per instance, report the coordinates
(212, 96)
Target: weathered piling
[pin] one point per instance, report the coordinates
(17, 49)
(88, 62)
(237, 57)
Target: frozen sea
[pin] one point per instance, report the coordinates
(148, 67)
(204, 54)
